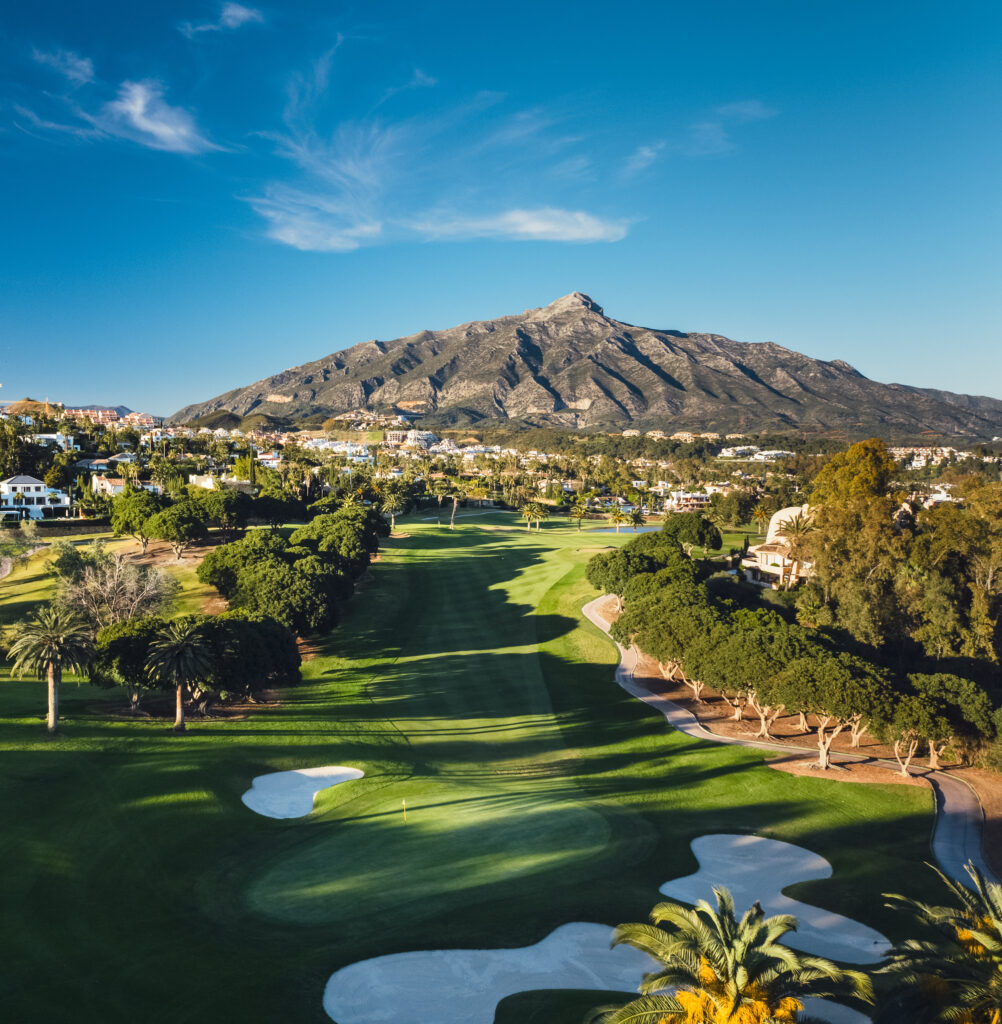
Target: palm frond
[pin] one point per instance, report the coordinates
(645, 1010)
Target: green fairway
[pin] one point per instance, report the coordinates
(463, 680)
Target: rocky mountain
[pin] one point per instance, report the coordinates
(568, 365)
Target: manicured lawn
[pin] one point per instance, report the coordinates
(193, 593)
(462, 679)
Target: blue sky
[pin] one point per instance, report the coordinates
(195, 194)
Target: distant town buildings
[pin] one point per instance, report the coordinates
(111, 418)
(919, 457)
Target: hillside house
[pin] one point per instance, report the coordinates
(769, 563)
(25, 497)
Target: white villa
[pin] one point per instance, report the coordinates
(769, 563)
(24, 497)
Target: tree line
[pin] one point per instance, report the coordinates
(109, 617)
(763, 665)
(298, 581)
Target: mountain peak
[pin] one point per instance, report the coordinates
(573, 302)
(568, 365)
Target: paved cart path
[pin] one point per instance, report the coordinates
(957, 834)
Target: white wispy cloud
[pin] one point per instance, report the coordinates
(546, 224)
(305, 90)
(141, 114)
(312, 222)
(45, 128)
(519, 128)
(706, 138)
(713, 136)
(747, 110)
(231, 16)
(574, 168)
(75, 69)
(339, 203)
(419, 80)
(642, 158)
(359, 182)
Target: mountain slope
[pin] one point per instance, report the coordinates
(569, 365)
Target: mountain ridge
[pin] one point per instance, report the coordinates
(569, 365)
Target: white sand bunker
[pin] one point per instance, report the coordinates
(755, 868)
(463, 986)
(291, 794)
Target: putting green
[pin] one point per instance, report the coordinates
(513, 843)
(462, 680)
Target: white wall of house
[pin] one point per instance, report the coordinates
(28, 497)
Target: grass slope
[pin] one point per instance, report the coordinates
(462, 680)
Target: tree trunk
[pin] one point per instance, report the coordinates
(825, 741)
(858, 729)
(767, 719)
(53, 677)
(767, 716)
(935, 753)
(393, 521)
(803, 726)
(452, 519)
(697, 689)
(179, 709)
(910, 746)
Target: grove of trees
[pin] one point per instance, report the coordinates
(767, 666)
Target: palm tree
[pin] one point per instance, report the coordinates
(617, 517)
(392, 504)
(578, 511)
(457, 494)
(637, 518)
(761, 516)
(179, 657)
(46, 644)
(529, 511)
(956, 976)
(542, 512)
(726, 970)
(795, 532)
(440, 489)
(130, 472)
